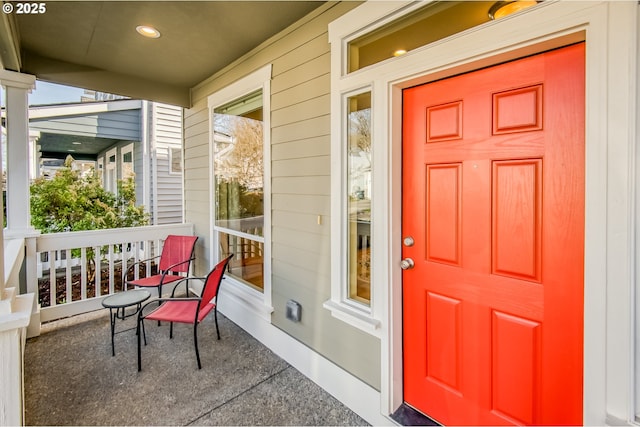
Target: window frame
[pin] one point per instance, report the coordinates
(350, 299)
(100, 169)
(170, 153)
(356, 313)
(110, 182)
(259, 302)
(129, 148)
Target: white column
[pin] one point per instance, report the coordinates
(15, 310)
(17, 87)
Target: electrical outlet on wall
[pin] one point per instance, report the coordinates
(294, 311)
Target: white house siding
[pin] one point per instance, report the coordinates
(166, 134)
(300, 138)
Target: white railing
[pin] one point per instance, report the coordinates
(70, 273)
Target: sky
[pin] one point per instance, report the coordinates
(49, 93)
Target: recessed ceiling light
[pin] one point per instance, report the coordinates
(399, 52)
(504, 8)
(148, 31)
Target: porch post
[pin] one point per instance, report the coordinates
(15, 310)
(20, 152)
(17, 87)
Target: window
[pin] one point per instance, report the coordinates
(359, 196)
(240, 187)
(110, 183)
(175, 160)
(127, 162)
(427, 24)
(238, 146)
(353, 201)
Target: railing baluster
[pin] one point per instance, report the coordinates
(53, 282)
(111, 290)
(83, 273)
(123, 263)
(97, 257)
(148, 255)
(136, 259)
(68, 277)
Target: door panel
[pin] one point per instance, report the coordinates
(493, 195)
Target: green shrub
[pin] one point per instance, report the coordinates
(72, 202)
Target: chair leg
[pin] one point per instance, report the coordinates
(144, 332)
(139, 344)
(195, 341)
(215, 316)
(171, 330)
(159, 296)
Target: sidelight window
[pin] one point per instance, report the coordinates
(359, 197)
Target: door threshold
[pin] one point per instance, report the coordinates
(405, 415)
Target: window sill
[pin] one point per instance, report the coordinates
(353, 317)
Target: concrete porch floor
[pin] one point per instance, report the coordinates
(72, 379)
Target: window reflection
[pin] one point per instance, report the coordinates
(359, 196)
(435, 21)
(239, 186)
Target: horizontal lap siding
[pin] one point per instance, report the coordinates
(300, 187)
(124, 124)
(196, 180)
(167, 133)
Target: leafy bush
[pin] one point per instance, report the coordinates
(72, 202)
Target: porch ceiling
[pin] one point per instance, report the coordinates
(53, 145)
(94, 44)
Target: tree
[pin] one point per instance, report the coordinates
(72, 202)
(239, 169)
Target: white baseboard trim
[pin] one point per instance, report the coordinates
(358, 396)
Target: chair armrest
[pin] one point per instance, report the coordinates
(126, 273)
(185, 280)
(168, 269)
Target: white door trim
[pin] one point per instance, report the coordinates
(610, 32)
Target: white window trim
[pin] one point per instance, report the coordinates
(170, 156)
(610, 30)
(259, 302)
(100, 170)
(124, 150)
(108, 168)
(340, 304)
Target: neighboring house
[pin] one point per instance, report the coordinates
(120, 139)
(469, 250)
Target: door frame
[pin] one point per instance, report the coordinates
(610, 32)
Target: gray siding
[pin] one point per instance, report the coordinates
(124, 124)
(167, 133)
(300, 137)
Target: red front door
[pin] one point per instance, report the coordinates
(493, 197)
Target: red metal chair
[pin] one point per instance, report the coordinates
(175, 260)
(189, 310)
